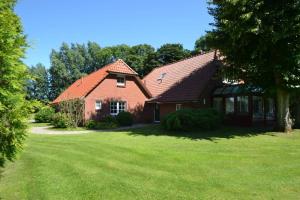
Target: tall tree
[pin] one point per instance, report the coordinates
(260, 41)
(202, 44)
(59, 76)
(38, 85)
(169, 53)
(12, 82)
(67, 65)
(137, 57)
(94, 57)
(150, 63)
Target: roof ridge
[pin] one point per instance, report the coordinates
(179, 61)
(127, 65)
(187, 58)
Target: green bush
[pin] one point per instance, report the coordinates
(125, 119)
(44, 115)
(188, 119)
(61, 120)
(91, 124)
(105, 125)
(109, 119)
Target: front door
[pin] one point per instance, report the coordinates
(156, 112)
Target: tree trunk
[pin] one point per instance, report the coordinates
(284, 121)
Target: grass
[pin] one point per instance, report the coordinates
(69, 129)
(35, 124)
(149, 163)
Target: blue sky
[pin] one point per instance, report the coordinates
(48, 23)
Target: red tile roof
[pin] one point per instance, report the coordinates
(83, 86)
(181, 81)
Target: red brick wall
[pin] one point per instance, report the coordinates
(108, 90)
(167, 108)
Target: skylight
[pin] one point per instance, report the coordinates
(161, 77)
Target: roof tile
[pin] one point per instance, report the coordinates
(181, 81)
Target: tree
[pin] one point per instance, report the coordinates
(260, 42)
(150, 63)
(38, 85)
(169, 53)
(67, 65)
(137, 57)
(202, 44)
(59, 76)
(13, 76)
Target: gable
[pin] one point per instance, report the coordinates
(83, 86)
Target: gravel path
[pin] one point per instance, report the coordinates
(47, 130)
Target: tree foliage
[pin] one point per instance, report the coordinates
(169, 53)
(260, 41)
(203, 45)
(13, 75)
(38, 85)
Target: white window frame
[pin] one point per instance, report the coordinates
(98, 105)
(123, 83)
(118, 106)
(178, 107)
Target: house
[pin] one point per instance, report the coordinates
(190, 83)
(194, 83)
(108, 91)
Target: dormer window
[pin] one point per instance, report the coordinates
(121, 81)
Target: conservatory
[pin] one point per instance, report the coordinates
(244, 105)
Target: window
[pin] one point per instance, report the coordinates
(121, 80)
(117, 106)
(98, 105)
(178, 107)
(218, 104)
(229, 108)
(258, 108)
(270, 109)
(242, 104)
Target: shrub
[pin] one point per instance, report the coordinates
(61, 120)
(188, 119)
(44, 115)
(109, 119)
(125, 119)
(91, 124)
(105, 125)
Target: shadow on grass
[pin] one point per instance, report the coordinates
(213, 135)
(1, 175)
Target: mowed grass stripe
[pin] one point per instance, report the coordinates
(127, 165)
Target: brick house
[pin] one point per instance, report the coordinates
(189, 83)
(185, 84)
(194, 83)
(108, 91)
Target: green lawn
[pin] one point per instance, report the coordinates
(151, 164)
(35, 124)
